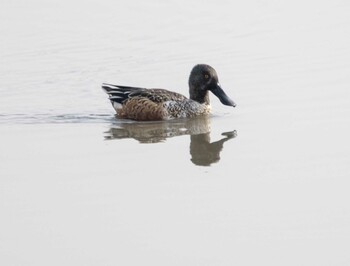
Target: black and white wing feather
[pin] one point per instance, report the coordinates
(119, 94)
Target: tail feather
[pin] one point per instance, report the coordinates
(118, 94)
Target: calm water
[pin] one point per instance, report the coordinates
(266, 183)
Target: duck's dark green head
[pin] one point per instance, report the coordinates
(203, 78)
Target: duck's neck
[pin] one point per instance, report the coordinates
(199, 96)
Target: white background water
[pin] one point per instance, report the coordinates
(73, 191)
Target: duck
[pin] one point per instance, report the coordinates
(142, 104)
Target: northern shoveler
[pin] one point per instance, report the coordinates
(159, 104)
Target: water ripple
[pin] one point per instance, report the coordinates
(44, 118)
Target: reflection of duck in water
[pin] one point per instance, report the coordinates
(205, 153)
(202, 151)
(153, 132)
(158, 104)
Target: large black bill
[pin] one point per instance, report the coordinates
(224, 99)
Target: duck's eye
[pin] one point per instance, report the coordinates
(206, 76)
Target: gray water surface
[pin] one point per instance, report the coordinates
(265, 183)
